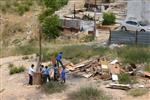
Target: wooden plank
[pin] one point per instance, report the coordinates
(119, 86)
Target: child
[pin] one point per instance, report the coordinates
(55, 72)
(63, 75)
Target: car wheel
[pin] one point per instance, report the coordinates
(142, 30)
(123, 28)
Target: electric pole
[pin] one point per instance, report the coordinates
(74, 12)
(95, 20)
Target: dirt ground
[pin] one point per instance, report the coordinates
(14, 87)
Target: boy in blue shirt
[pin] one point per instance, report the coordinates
(63, 75)
(46, 72)
(58, 59)
(55, 72)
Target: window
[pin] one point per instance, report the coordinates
(131, 22)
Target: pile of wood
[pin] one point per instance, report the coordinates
(102, 68)
(95, 68)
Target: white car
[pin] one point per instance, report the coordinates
(132, 25)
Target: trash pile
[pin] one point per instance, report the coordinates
(96, 68)
(102, 68)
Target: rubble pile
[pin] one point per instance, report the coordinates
(102, 68)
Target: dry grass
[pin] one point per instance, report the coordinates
(53, 87)
(138, 92)
(88, 93)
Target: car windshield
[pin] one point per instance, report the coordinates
(143, 24)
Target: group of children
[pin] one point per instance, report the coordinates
(55, 73)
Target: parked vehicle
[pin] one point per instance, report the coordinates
(133, 25)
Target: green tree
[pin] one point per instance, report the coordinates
(49, 22)
(50, 27)
(108, 18)
(45, 14)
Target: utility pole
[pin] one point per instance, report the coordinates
(40, 44)
(95, 20)
(74, 11)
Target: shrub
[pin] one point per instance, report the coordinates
(25, 57)
(10, 65)
(124, 78)
(108, 18)
(88, 38)
(138, 91)
(88, 93)
(22, 8)
(53, 87)
(15, 70)
(147, 68)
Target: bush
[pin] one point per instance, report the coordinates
(53, 87)
(15, 70)
(108, 18)
(88, 38)
(10, 65)
(25, 57)
(22, 8)
(147, 68)
(50, 27)
(138, 91)
(88, 93)
(124, 78)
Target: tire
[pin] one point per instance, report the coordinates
(142, 30)
(123, 28)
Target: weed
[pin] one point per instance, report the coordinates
(125, 78)
(81, 52)
(147, 68)
(15, 70)
(25, 57)
(138, 91)
(22, 8)
(88, 93)
(29, 48)
(134, 54)
(54, 87)
(10, 65)
(88, 38)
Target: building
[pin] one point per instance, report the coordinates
(75, 25)
(97, 2)
(139, 9)
(100, 5)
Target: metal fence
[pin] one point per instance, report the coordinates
(126, 37)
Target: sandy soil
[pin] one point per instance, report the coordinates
(14, 87)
